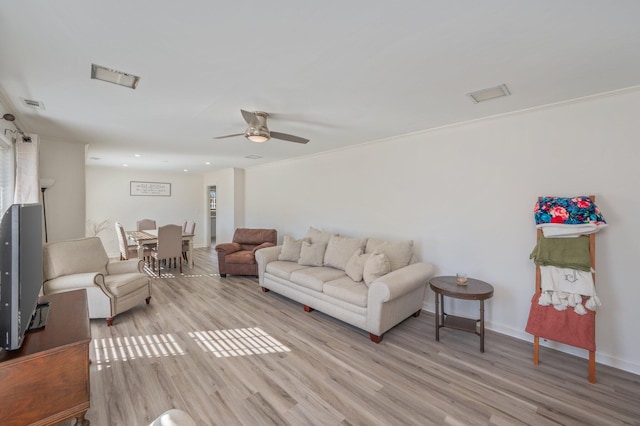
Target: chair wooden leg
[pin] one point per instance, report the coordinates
(109, 321)
(148, 300)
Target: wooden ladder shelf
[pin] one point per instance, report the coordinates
(536, 339)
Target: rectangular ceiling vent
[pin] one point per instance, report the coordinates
(114, 76)
(490, 93)
(32, 104)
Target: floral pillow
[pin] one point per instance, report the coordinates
(568, 211)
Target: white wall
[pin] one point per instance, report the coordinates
(465, 194)
(108, 198)
(64, 201)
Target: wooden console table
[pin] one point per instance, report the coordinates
(46, 381)
(472, 290)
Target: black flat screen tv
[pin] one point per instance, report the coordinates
(20, 271)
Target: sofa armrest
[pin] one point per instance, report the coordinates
(400, 282)
(70, 282)
(115, 267)
(228, 248)
(261, 246)
(265, 256)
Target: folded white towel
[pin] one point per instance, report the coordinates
(567, 280)
(561, 230)
(564, 287)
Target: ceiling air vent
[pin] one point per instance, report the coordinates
(32, 104)
(114, 76)
(490, 93)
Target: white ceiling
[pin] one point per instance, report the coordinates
(335, 72)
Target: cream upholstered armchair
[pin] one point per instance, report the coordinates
(112, 286)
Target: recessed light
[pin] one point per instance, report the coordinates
(185, 170)
(125, 165)
(253, 157)
(136, 155)
(113, 76)
(207, 163)
(490, 93)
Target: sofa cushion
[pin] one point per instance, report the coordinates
(123, 284)
(398, 252)
(312, 254)
(242, 256)
(340, 249)
(376, 266)
(318, 236)
(291, 248)
(355, 265)
(283, 269)
(314, 278)
(347, 290)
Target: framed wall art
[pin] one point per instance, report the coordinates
(154, 189)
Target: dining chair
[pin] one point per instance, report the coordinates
(169, 246)
(189, 228)
(129, 251)
(145, 224)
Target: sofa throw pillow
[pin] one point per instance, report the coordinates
(376, 266)
(340, 249)
(355, 265)
(291, 249)
(312, 254)
(398, 252)
(318, 236)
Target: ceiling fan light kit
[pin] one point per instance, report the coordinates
(257, 135)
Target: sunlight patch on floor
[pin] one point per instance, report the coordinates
(237, 342)
(164, 273)
(129, 348)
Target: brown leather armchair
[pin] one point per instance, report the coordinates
(238, 257)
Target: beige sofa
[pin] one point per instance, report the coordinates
(112, 286)
(368, 283)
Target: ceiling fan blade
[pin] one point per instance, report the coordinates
(229, 136)
(249, 117)
(290, 138)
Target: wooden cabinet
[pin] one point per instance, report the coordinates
(46, 381)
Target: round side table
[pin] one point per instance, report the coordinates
(472, 290)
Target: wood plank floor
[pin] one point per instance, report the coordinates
(229, 354)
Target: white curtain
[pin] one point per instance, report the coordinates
(27, 180)
(6, 173)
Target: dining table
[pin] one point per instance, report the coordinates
(150, 236)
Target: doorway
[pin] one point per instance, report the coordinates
(212, 214)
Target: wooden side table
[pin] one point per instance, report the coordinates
(46, 381)
(472, 290)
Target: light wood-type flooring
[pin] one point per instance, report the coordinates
(229, 354)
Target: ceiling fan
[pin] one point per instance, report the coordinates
(258, 130)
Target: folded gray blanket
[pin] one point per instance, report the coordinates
(563, 252)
